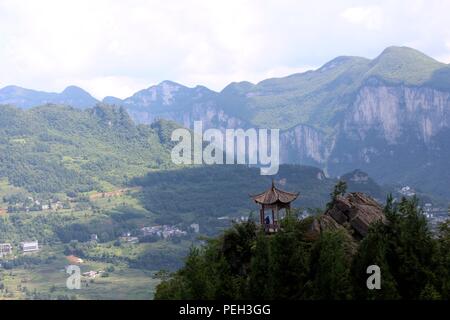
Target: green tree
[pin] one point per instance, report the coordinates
(444, 258)
(330, 268)
(339, 190)
(373, 251)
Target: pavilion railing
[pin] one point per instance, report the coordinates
(271, 227)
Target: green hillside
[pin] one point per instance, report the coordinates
(67, 175)
(61, 149)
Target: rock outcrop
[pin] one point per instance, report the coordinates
(354, 212)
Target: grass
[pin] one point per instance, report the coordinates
(49, 281)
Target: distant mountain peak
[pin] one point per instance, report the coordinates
(406, 54)
(170, 83)
(11, 88)
(27, 98)
(405, 65)
(400, 50)
(342, 60)
(241, 86)
(112, 100)
(74, 89)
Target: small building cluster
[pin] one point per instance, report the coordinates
(31, 204)
(435, 214)
(126, 237)
(407, 191)
(27, 246)
(163, 231)
(92, 274)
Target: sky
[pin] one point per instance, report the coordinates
(118, 47)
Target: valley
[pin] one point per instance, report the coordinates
(92, 183)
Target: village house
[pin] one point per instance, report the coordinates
(30, 246)
(5, 249)
(195, 227)
(130, 239)
(92, 274)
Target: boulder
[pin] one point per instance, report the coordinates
(354, 212)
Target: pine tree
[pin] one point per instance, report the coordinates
(330, 265)
(373, 251)
(339, 190)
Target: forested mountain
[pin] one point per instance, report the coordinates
(388, 116)
(61, 149)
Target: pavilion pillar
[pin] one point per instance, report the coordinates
(273, 216)
(277, 214)
(262, 214)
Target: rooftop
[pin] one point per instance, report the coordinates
(274, 195)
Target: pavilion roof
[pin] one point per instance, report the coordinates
(274, 195)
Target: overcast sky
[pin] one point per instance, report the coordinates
(118, 47)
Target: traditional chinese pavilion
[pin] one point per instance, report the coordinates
(275, 200)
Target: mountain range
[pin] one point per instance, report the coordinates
(60, 152)
(389, 116)
(27, 98)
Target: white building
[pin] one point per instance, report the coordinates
(195, 227)
(30, 246)
(5, 249)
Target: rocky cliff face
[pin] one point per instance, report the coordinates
(171, 101)
(380, 116)
(397, 133)
(304, 144)
(392, 109)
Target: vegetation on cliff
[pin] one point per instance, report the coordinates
(244, 263)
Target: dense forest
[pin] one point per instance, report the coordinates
(65, 150)
(245, 263)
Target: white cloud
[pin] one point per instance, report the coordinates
(120, 87)
(113, 47)
(369, 17)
